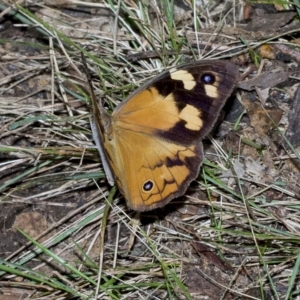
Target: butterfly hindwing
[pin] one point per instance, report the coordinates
(151, 171)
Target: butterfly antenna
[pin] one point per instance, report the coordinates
(89, 82)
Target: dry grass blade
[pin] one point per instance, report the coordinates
(235, 234)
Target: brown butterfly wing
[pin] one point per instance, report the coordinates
(154, 147)
(152, 171)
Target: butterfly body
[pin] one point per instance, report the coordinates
(152, 142)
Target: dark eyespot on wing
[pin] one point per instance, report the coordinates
(207, 78)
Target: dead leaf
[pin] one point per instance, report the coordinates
(270, 22)
(262, 119)
(207, 253)
(293, 131)
(265, 80)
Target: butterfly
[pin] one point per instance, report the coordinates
(151, 145)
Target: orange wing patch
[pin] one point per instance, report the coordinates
(153, 111)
